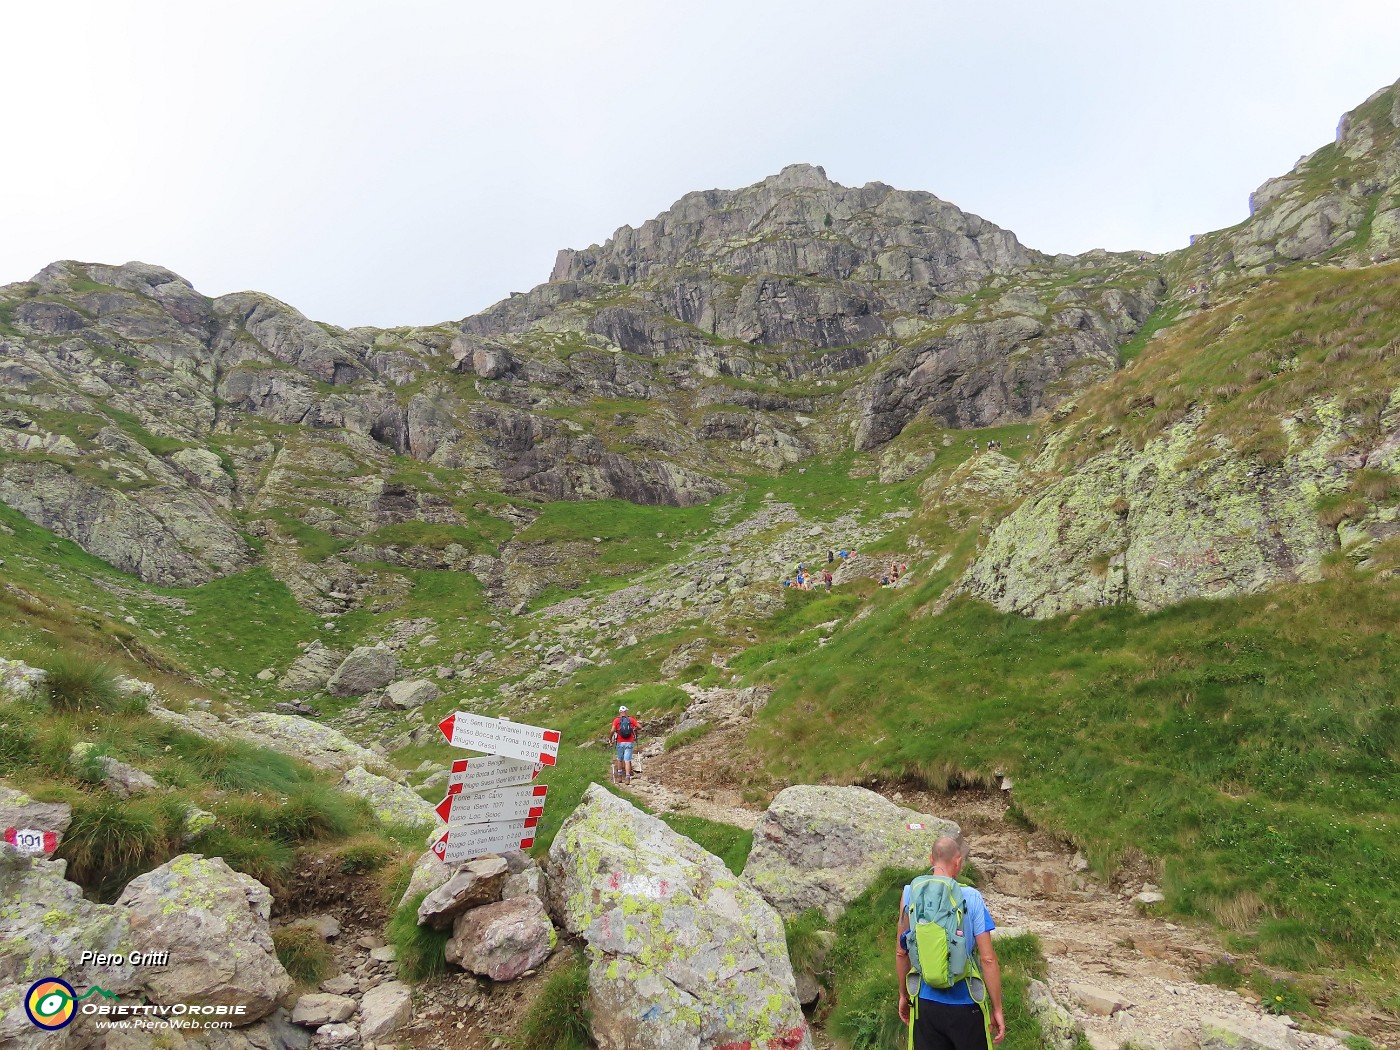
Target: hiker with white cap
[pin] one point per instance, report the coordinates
(624, 735)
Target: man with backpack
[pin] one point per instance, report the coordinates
(949, 977)
(624, 735)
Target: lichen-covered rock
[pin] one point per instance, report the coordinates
(683, 954)
(367, 667)
(1159, 526)
(19, 679)
(473, 884)
(320, 745)
(384, 1010)
(1057, 1027)
(821, 847)
(312, 669)
(213, 922)
(45, 926)
(502, 940)
(392, 802)
(1246, 1033)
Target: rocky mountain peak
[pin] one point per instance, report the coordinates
(799, 177)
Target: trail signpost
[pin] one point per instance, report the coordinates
(491, 803)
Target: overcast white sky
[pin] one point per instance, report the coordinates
(408, 162)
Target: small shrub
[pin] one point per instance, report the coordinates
(1223, 973)
(79, 683)
(1358, 1042)
(306, 958)
(559, 1017)
(268, 861)
(806, 944)
(421, 949)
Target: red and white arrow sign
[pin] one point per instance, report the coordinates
(27, 840)
(488, 772)
(500, 736)
(460, 844)
(484, 807)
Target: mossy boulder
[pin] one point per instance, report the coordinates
(392, 802)
(683, 954)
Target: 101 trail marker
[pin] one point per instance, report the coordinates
(500, 736)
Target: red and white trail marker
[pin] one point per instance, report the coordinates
(466, 843)
(500, 736)
(28, 840)
(485, 807)
(489, 772)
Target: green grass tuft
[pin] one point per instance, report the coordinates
(305, 956)
(79, 683)
(559, 1018)
(421, 949)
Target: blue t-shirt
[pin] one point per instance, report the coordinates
(979, 921)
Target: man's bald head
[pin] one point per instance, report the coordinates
(948, 849)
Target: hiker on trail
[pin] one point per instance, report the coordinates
(943, 949)
(624, 735)
(830, 557)
(827, 578)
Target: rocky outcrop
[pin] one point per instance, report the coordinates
(213, 922)
(45, 926)
(312, 669)
(1158, 526)
(682, 953)
(320, 745)
(821, 847)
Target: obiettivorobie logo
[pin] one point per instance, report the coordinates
(52, 1003)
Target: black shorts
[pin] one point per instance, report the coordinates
(943, 1027)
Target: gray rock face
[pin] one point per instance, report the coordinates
(384, 1010)
(366, 668)
(19, 679)
(821, 847)
(119, 778)
(392, 802)
(322, 746)
(312, 669)
(428, 874)
(213, 922)
(1154, 528)
(683, 953)
(473, 884)
(45, 926)
(502, 940)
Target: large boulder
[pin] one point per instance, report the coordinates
(475, 883)
(502, 940)
(428, 874)
(19, 679)
(414, 693)
(213, 922)
(366, 668)
(822, 847)
(45, 926)
(684, 954)
(392, 802)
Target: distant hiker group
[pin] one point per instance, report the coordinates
(992, 445)
(805, 579)
(891, 576)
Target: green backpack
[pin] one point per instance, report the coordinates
(939, 944)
